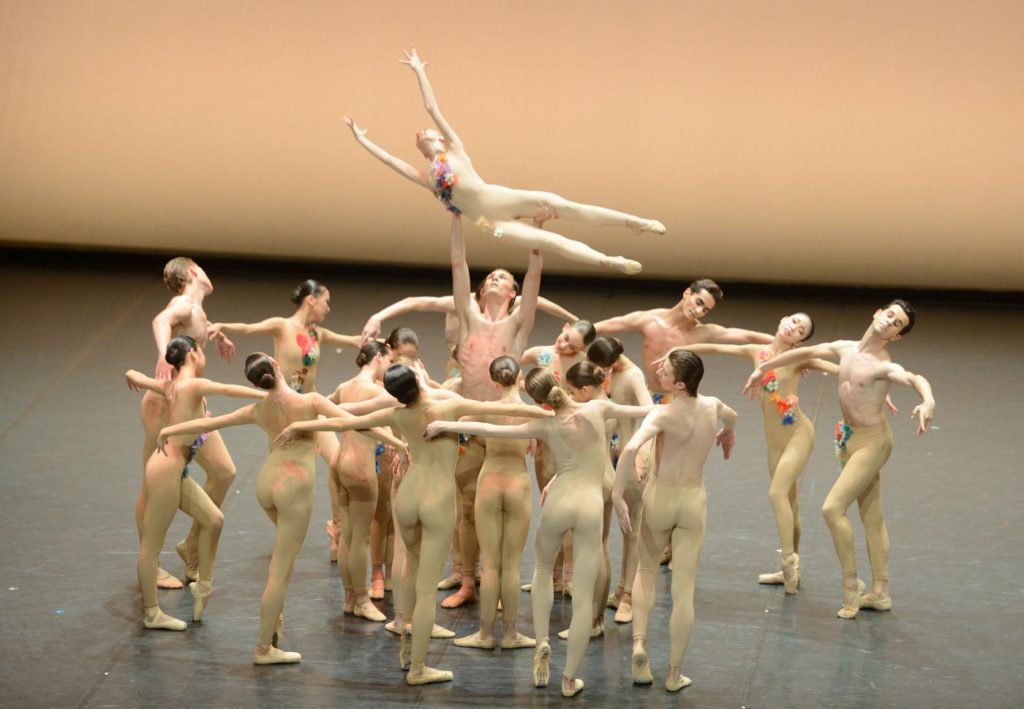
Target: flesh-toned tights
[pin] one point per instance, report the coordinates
(789, 448)
(357, 502)
(164, 492)
(867, 451)
(676, 514)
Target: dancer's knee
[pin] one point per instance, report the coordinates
(833, 512)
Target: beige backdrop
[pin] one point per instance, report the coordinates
(803, 141)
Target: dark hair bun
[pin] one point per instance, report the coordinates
(259, 370)
(504, 370)
(368, 351)
(400, 382)
(307, 287)
(178, 349)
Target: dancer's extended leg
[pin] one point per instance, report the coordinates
(530, 237)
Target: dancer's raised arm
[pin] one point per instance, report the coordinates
(624, 323)
(271, 326)
(462, 290)
(430, 101)
(798, 355)
(611, 410)
(533, 429)
(325, 407)
(239, 417)
(400, 166)
(527, 312)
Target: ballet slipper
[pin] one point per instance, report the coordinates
(851, 601)
(613, 601)
(595, 632)
(273, 656)
(577, 687)
(624, 265)
(791, 573)
(773, 579)
(437, 632)
(459, 598)
(651, 225)
(475, 640)
(641, 668)
(427, 675)
(542, 664)
(189, 557)
(201, 591)
(526, 587)
(156, 619)
(517, 642)
(377, 590)
(449, 583)
(674, 685)
(166, 580)
(624, 614)
(875, 602)
(332, 535)
(366, 609)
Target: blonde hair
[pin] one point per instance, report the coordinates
(176, 273)
(543, 387)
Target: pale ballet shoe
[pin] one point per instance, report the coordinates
(449, 583)
(332, 535)
(577, 687)
(612, 602)
(366, 609)
(875, 602)
(773, 579)
(519, 641)
(187, 556)
(436, 633)
(851, 602)
(201, 591)
(651, 225)
(542, 664)
(791, 574)
(156, 619)
(459, 598)
(274, 656)
(624, 265)
(167, 580)
(595, 632)
(624, 614)
(377, 590)
(475, 640)
(526, 587)
(641, 668)
(674, 685)
(427, 675)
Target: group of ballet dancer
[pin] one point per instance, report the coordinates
(426, 459)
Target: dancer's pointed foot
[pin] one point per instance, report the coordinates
(641, 668)
(201, 591)
(188, 556)
(461, 597)
(274, 656)
(571, 687)
(427, 675)
(449, 583)
(165, 580)
(476, 640)
(791, 572)
(651, 225)
(366, 609)
(156, 619)
(851, 601)
(876, 602)
(624, 265)
(542, 663)
(517, 642)
(773, 579)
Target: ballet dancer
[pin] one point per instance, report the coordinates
(284, 486)
(674, 505)
(573, 500)
(424, 502)
(184, 315)
(625, 385)
(166, 485)
(494, 208)
(863, 442)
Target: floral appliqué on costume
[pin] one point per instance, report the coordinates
(785, 406)
(445, 180)
(309, 345)
(843, 432)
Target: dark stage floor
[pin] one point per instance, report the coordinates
(69, 450)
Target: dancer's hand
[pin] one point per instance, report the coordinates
(622, 512)
(753, 383)
(161, 443)
(285, 437)
(545, 212)
(371, 330)
(225, 347)
(924, 413)
(433, 429)
(403, 459)
(413, 60)
(891, 406)
(131, 376)
(164, 370)
(726, 439)
(356, 130)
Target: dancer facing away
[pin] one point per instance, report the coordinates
(424, 502)
(625, 385)
(675, 504)
(166, 485)
(184, 315)
(863, 442)
(502, 520)
(787, 431)
(574, 500)
(494, 208)
(284, 486)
